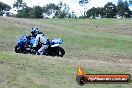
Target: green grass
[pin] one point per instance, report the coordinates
(35, 72)
(97, 45)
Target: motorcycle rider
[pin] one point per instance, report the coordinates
(40, 39)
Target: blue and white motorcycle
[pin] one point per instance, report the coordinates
(25, 44)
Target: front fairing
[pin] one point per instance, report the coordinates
(56, 42)
(22, 41)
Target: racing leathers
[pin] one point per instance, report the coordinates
(42, 40)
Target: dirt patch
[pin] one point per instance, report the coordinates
(118, 29)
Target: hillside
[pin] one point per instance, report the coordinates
(100, 46)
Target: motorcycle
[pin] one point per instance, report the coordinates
(25, 45)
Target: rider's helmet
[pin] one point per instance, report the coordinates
(35, 31)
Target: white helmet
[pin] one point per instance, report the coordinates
(35, 31)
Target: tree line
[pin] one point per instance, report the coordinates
(4, 8)
(62, 10)
(57, 11)
(111, 10)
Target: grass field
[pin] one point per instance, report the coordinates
(100, 46)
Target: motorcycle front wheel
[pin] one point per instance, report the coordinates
(17, 49)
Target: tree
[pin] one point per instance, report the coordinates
(23, 11)
(95, 12)
(100, 12)
(19, 4)
(83, 3)
(119, 8)
(50, 8)
(130, 2)
(27, 12)
(91, 13)
(127, 11)
(38, 12)
(62, 14)
(123, 9)
(110, 10)
(55, 10)
(65, 11)
(4, 8)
